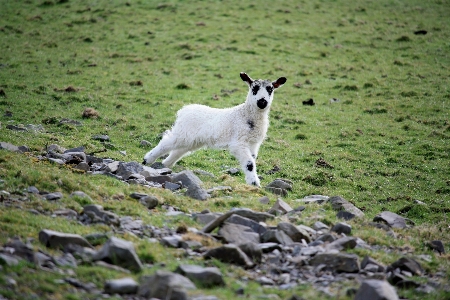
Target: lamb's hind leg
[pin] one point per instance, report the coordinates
(164, 146)
(248, 164)
(174, 156)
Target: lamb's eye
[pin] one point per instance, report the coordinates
(269, 90)
(255, 89)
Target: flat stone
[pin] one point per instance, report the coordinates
(343, 243)
(255, 226)
(408, 264)
(207, 277)
(437, 246)
(346, 215)
(125, 170)
(54, 239)
(295, 233)
(320, 226)
(264, 200)
(279, 187)
(121, 286)
(368, 260)
(205, 218)
(339, 262)
(136, 195)
(391, 219)
(104, 216)
(165, 285)
(149, 201)
(9, 147)
(319, 199)
(342, 228)
(158, 178)
(238, 234)
(376, 290)
(53, 196)
(119, 252)
(83, 166)
(244, 212)
(282, 206)
(171, 241)
(101, 137)
(112, 167)
(8, 260)
(230, 253)
(171, 186)
(340, 204)
(276, 236)
(252, 250)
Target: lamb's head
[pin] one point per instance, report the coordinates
(260, 93)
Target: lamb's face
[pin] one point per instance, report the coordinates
(260, 93)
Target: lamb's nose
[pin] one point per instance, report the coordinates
(262, 103)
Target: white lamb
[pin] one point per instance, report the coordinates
(240, 129)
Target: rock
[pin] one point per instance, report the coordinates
(391, 219)
(149, 201)
(145, 143)
(193, 184)
(295, 233)
(345, 215)
(83, 166)
(172, 186)
(121, 286)
(32, 190)
(119, 252)
(205, 218)
(408, 264)
(342, 228)
(161, 179)
(264, 200)
(53, 196)
(96, 213)
(340, 204)
(74, 157)
(81, 195)
(437, 246)
(252, 250)
(342, 243)
(319, 199)
(136, 195)
(125, 170)
(247, 213)
(207, 277)
(165, 285)
(171, 241)
(8, 260)
(281, 206)
(279, 187)
(276, 236)
(54, 239)
(376, 290)
(66, 260)
(196, 192)
(68, 213)
(238, 234)
(319, 226)
(339, 262)
(229, 253)
(9, 147)
(101, 137)
(367, 260)
(255, 226)
(21, 249)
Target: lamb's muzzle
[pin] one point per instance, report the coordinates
(240, 129)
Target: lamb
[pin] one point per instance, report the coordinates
(240, 129)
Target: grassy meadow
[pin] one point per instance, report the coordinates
(385, 137)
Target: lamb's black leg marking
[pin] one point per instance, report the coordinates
(144, 162)
(254, 183)
(254, 156)
(250, 166)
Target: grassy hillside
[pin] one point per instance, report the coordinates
(386, 137)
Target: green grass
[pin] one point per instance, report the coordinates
(136, 63)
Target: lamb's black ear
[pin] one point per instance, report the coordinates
(279, 82)
(246, 78)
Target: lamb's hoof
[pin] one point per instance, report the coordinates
(144, 162)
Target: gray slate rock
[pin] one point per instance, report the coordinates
(21, 249)
(8, 260)
(376, 290)
(80, 194)
(255, 226)
(171, 241)
(149, 201)
(320, 226)
(238, 234)
(319, 199)
(339, 262)
(54, 239)
(53, 196)
(279, 187)
(96, 211)
(391, 219)
(340, 204)
(342, 228)
(282, 206)
(343, 243)
(437, 246)
(207, 277)
(230, 253)
(101, 137)
(193, 184)
(253, 251)
(125, 170)
(243, 212)
(121, 286)
(119, 252)
(408, 264)
(276, 236)
(9, 147)
(368, 260)
(165, 285)
(295, 233)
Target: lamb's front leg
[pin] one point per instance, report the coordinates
(248, 164)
